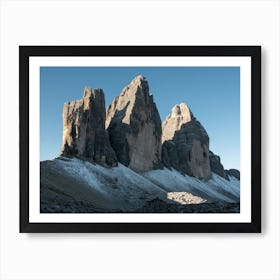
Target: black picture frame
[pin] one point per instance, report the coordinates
(254, 52)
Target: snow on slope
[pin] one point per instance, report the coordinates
(122, 187)
(215, 189)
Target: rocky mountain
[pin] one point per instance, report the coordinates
(126, 160)
(233, 173)
(134, 127)
(84, 133)
(185, 143)
(217, 168)
(216, 165)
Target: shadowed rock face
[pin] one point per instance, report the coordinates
(234, 173)
(216, 165)
(134, 127)
(84, 133)
(185, 143)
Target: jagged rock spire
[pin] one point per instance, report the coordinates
(84, 133)
(134, 127)
(180, 115)
(131, 133)
(185, 143)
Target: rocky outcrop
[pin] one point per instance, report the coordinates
(185, 143)
(131, 133)
(84, 133)
(134, 127)
(234, 173)
(216, 165)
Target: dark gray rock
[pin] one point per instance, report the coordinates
(160, 206)
(84, 133)
(216, 165)
(169, 155)
(134, 127)
(233, 172)
(185, 144)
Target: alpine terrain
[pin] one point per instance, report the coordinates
(126, 159)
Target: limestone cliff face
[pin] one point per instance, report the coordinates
(185, 143)
(134, 127)
(180, 115)
(84, 133)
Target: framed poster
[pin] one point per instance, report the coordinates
(140, 138)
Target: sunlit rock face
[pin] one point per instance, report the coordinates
(134, 127)
(185, 143)
(84, 133)
(180, 115)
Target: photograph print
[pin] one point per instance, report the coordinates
(140, 139)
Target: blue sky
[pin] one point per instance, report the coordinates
(212, 93)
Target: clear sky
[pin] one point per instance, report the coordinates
(212, 93)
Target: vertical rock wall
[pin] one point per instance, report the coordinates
(134, 127)
(84, 133)
(185, 144)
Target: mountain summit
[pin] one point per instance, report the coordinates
(185, 144)
(180, 115)
(134, 127)
(84, 133)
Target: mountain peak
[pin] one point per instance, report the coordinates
(88, 92)
(180, 114)
(84, 133)
(134, 126)
(139, 78)
(185, 143)
(182, 111)
(139, 82)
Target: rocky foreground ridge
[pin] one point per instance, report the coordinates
(72, 185)
(131, 133)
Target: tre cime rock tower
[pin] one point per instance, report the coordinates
(84, 133)
(134, 126)
(130, 132)
(185, 143)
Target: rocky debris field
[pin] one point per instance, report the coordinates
(52, 202)
(185, 198)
